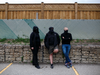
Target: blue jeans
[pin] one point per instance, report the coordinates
(66, 50)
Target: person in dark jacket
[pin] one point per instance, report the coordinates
(66, 38)
(52, 41)
(35, 45)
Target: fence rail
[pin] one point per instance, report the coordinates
(50, 11)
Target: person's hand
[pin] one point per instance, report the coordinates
(32, 48)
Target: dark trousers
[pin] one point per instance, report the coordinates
(35, 56)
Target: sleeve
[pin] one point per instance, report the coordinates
(61, 36)
(31, 40)
(70, 37)
(58, 38)
(40, 41)
(45, 41)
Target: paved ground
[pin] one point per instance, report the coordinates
(59, 69)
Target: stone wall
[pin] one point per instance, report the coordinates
(2, 53)
(79, 53)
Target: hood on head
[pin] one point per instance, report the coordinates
(51, 30)
(35, 29)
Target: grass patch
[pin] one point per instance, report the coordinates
(41, 40)
(26, 41)
(3, 40)
(77, 41)
(8, 41)
(22, 40)
(98, 41)
(22, 58)
(85, 41)
(60, 38)
(19, 40)
(63, 55)
(31, 61)
(92, 40)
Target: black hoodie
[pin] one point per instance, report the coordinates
(51, 38)
(35, 38)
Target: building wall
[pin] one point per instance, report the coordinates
(80, 29)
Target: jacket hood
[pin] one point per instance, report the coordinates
(35, 29)
(51, 30)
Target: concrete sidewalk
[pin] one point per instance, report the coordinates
(59, 69)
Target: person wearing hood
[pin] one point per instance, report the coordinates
(35, 45)
(52, 41)
(66, 38)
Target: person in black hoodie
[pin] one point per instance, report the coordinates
(52, 41)
(66, 38)
(35, 45)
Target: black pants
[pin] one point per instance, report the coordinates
(35, 56)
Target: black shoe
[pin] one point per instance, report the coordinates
(51, 66)
(33, 64)
(37, 66)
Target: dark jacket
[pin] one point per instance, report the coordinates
(49, 41)
(34, 40)
(67, 38)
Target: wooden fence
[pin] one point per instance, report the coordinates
(50, 11)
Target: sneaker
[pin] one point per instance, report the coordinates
(51, 66)
(67, 65)
(37, 66)
(70, 64)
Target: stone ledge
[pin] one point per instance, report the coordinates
(79, 53)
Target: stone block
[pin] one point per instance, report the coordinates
(76, 61)
(1, 58)
(26, 46)
(18, 59)
(77, 53)
(26, 49)
(2, 52)
(85, 52)
(84, 61)
(8, 46)
(19, 46)
(85, 56)
(77, 57)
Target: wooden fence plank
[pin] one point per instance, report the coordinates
(76, 10)
(6, 10)
(42, 10)
(11, 14)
